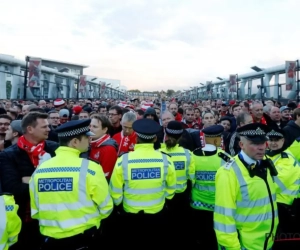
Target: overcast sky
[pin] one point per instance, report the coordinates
(154, 44)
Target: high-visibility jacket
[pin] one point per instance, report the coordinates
(295, 149)
(203, 190)
(243, 208)
(184, 166)
(69, 195)
(10, 223)
(288, 176)
(142, 179)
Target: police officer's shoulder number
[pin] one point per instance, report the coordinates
(284, 155)
(165, 153)
(228, 164)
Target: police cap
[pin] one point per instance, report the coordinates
(213, 131)
(75, 128)
(255, 132)
(276, 133)
(146, 128)
(174, 128)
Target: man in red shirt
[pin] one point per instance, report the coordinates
(126, 139)
(103, 149)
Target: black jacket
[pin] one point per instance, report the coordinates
(15, 164)
(292, 131)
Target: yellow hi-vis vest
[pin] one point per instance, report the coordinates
(69, 195)
(203, 190)
(243, 208)
(295, 149)
(142, 179)
(288, 176)
(10, 223)
(184, 166)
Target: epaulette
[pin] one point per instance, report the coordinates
(122, 154)
(228, 164)
(165, 153)
(284, 155)
(224, 156)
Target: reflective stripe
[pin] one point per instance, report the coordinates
(205, 188)
(143, 203)
(12, 240)
(70, 222)
(181, 178)
(256, 203)
(188, 162)
(180, 186)
(225, 211)
(147, 191)
(255, 217)
(297, 182)
(144, 191)
(203, 204)
(242, 182)
(224, 228)
(3, 220)
(114, 189)
(105, 202)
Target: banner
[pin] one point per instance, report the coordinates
(290, 74)
(232, 83)
(34, 72)
(82, 84)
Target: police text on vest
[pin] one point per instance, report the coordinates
(205, 175)
(145, 173)
(179, 165)
(55, 184)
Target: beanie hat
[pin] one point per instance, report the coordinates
(77, 110)
(59, 102)
(16, 126)
(64, 113)
(174, 129)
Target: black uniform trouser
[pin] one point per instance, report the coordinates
(144, 231)
(29, 237)
(178, 209)
(86, 240)
(202, 226)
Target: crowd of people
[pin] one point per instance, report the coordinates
(108, 173)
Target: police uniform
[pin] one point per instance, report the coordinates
(208, 160)
(245, 214)
(178, 206)
(10, 223)
(288, 180)
(141, 181)
(69, 195)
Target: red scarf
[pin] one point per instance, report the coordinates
(34, 152)
(262, 121)
(127, 143)
(97, 143)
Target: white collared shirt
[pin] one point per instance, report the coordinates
(247, 159)
(209, 148)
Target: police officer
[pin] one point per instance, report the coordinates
(69, 195)
(178, 207)
(10, 223)
(245, 215)
(208, 159)
(288, 180)
(142, 180)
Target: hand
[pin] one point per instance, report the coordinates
(26, 179)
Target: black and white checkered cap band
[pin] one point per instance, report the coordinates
(274, 133)
(174, 131)
(216, 135)
(74, 132)
(258, 131)
(146, 137)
